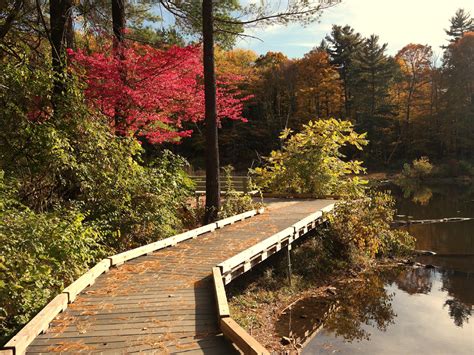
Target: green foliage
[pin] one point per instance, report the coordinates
(419, 169)
(71, 191)
(235, 202)
(40, 253)
(361, 227)
(76, 159)
(311, 161)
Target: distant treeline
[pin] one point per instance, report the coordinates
(412, 104)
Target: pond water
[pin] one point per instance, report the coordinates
(406, 310)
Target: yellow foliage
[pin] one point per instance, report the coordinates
(311, 162)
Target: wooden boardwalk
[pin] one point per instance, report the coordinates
(164, 302)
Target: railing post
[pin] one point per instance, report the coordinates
(288, 256)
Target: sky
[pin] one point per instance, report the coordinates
(396, 22)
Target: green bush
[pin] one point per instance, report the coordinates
(71, 191)
(418, 169)
(311, 161)
(466, 168)
(74, 158)
(40, 253)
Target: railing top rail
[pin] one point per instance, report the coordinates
(267, 243)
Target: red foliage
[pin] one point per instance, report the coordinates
(151, 92)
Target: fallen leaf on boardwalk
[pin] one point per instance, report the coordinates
(187, 346)
(82, 326)
(200, 335)
(89, 313)
(70, 346)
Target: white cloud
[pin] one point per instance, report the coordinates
(397, 22)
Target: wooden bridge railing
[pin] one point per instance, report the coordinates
(229, 327)
(229, 269)
(245, 260)
(40, 323)
(240, 184)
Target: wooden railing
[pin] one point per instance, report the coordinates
(245, 260)
(40, 323)
(242, 262)
(229, 327)
(239, 183)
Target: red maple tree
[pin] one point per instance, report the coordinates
(151, 92)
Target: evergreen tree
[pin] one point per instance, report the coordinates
(458, 97)
(344, 43)
(374, 72)
(461, 23)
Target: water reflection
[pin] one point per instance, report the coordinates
(416, 191)
(429, 309)
(413, 280)
(362, 301)
(413, 310)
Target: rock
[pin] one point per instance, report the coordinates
(331, 290)
(285, 340)
(170, 295)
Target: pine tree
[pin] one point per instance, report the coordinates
(373, 72)
(458, 97)
(461, 23)
(344, 43)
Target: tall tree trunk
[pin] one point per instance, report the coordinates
(60, 16)
(70, 43)
(118, 21)
(118, 24)
(212, 146)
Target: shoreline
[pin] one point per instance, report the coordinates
(257, 308)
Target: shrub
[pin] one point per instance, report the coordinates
(74, 158)
(419, 169)
(312, 162)
(71, 191)
(362, 228)
(466, 168)
(40, 253)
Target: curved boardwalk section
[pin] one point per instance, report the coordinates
(163, 302)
